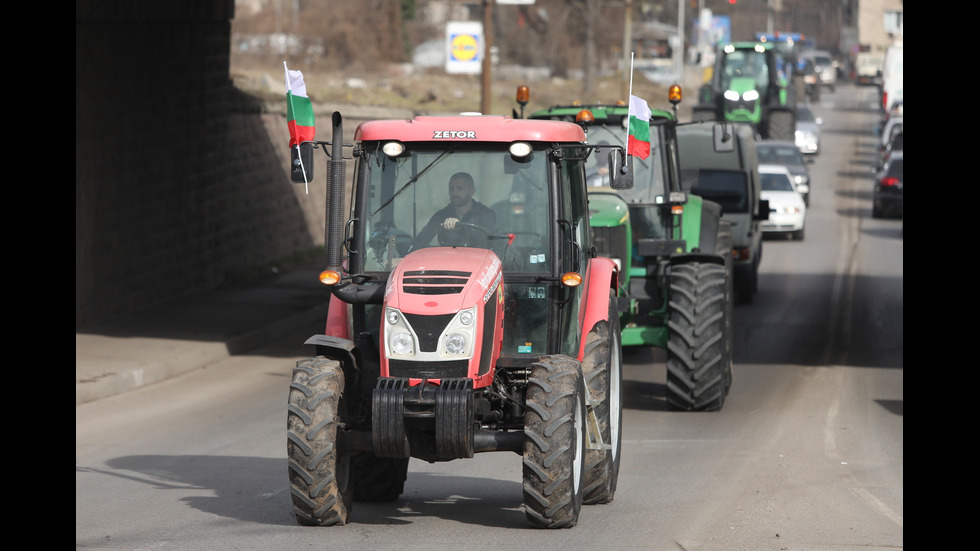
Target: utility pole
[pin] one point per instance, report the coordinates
(680, 41)
(627, 47)
(486, 95)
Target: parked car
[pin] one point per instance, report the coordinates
(894, 125)
(895, 144)
(807, 130)
(888, 191)
(787, 211)
(787, 154)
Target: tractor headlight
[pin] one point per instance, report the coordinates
(458, 338)
(455, 343)
(399, 335)
(751, 95)
(401, 343)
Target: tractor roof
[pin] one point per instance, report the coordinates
(602, 113)
(466, 128)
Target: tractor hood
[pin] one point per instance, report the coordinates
(443, 280)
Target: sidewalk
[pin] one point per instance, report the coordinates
(164, 341)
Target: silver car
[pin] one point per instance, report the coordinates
(807, 130)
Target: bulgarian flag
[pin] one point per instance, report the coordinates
(299, 109)
(638, 141)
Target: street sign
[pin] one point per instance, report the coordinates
(464, 47)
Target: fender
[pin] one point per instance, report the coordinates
(338, 318)
(602, 277)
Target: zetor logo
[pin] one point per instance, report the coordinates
(454, 135)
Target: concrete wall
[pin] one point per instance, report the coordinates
(180, 180)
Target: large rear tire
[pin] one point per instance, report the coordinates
(698, 361)
(781, 125)
(723, 247)
(554, 443)
(319, 476)
(603, 368)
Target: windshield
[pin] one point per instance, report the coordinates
(805, 115)
(648, 174)
(488, 193)
(745, 64)
(775, 181)
(728, 188)
(779, 155)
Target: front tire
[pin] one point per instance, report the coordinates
(319, 476)
(554, 443)
(603, 368)
(698, 361)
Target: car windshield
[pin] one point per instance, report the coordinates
(804, 115)
(775, 181)
(822, 61)
(780, 155)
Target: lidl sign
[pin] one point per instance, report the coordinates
(464, 47)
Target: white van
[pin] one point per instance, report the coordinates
(892, 77)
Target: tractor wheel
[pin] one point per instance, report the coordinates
(379, 478)
(698, 374)
(603, 370)
(723, 246)
(319, 476)
(554, 443)
(781, 125)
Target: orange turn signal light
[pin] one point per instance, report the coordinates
(329, 277)
(571, 279)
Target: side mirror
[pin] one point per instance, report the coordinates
(620, 169)
(301, 163)
(724, 137)
(763, 213)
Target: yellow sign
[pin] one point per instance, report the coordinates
(463, 47)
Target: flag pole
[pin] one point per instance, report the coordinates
(629, 99)
(299, 156)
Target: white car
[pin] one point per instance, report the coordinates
(787, 211)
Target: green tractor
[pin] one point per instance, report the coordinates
(674, 250)
(750, 83)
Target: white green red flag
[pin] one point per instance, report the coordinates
(299, 109)
(638, 141)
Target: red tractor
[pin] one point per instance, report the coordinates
(495, 332)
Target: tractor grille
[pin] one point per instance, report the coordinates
(428, 329)
(428, 370)
(739, 104)
(434, 282)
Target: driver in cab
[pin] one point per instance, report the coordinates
(453, 223)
